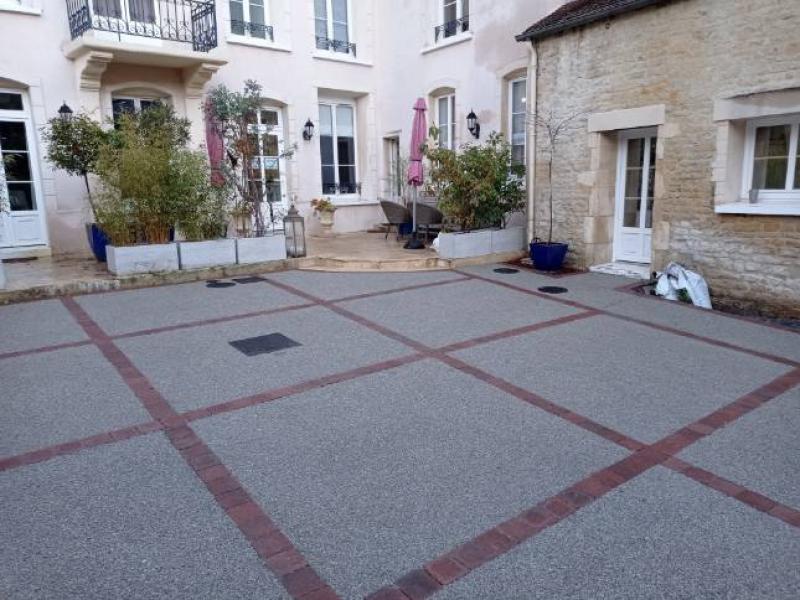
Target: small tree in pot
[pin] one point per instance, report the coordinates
(549, 255)
(73, 145)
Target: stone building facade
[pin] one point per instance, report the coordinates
(702, 78)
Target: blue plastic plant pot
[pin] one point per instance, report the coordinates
(548, 257)
(97, 241)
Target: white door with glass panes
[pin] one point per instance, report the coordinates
(446, 121)
(268, 167)
(517, 116)
(635, 194)
(21, 206)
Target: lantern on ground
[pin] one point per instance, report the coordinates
(294, 229)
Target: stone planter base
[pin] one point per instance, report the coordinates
(260, 249)
(147, 258)
(208, 253)
(481, 242)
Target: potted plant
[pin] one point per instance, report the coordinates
(324, 209)
(232, 135)
(152, 183)
(478, 188)
(73, 144)
(550, 255)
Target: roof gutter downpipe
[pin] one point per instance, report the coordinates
(533, 108)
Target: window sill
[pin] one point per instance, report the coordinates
(243, 40)
(22, 10)
(447, 42)
(788, 209)
(340, 57)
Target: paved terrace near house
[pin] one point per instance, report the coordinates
(455, 434)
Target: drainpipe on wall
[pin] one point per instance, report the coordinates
(530, 167)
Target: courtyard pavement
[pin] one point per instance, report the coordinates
(395, 436)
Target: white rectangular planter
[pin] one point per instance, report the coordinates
(261, 249)
(208, 253)
(511, 239)
(465, 244)
(2, 276)
(146, 258)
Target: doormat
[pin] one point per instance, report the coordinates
(264, 344)
(553, 289)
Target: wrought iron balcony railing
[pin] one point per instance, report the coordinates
(190, 21)
(343, 46)
(452, 28)
(341, 188)
(254, 30)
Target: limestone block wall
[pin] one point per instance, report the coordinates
(685, 55)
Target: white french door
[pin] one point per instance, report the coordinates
(21, 206)
(636, 171)
(268, 168)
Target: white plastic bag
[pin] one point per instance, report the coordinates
(675, 278)
(435, 244)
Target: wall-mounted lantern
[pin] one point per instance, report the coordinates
(473, 125)
(294, 229)
(65, 113)
(308, 131)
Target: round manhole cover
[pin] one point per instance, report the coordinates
(553, 289)
(506, 270)
(219, 284)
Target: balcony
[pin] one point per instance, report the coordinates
(451, 28)
(177, 21)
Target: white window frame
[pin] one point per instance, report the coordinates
(524, 81)
(451, 125)
(246, 18)
(788, 194)
(329, 23)
(338, 197)
(459, 10)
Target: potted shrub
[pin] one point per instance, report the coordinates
(73, 144)
(478, 188)
(230, 122)
(152, 183)
(550, 255)
(324, 209)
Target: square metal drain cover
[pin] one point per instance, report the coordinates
(244, 280)
(214, 283)
(264, 344)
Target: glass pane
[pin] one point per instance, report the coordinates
(340, 35)
(346, 147)
(20, 196)
(321, 31)
(145, 104)
(651, 186)
(770, 173)
(142, 11)
(12, 136)
(122, 106)
(633, 182)
(636, 152)
(269, 117)
(271, 145)
(108, 8)
(325, 120)
(17, 166)
(344, 121)
(773, 142)
(326, 149)
(10, 101)
(464, 8)
(340, 10)
(450, 10)
(328, 180)
(518, 129)
(347, 180)
(257, 19)
(518, 93)
(518, 154)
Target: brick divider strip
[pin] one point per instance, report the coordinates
(454, 564)
(229, 318)
(665, 328)
(272, 546)
(632, 287)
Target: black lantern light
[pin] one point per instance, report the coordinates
(308, 130)
(65, 113)
(294, 228)
(473, 125)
